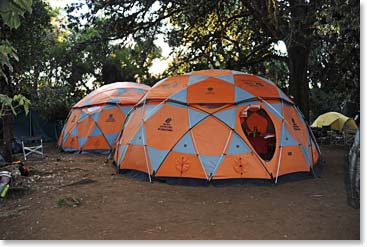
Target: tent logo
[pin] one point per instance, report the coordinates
(253, 83)
(182, 165)
(209, 90)
(295, 125)
(170, 85)
(166, 126)
(110, 118)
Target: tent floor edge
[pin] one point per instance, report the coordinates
(135, 174)
(294, 177)
(183, 181)
(242, 182)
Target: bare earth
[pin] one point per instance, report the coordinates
(107, 206)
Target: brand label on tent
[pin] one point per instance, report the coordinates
(253, 84)
(170, 85)
(295, 125)
(166, 126)
(110, 118)
(209, 90)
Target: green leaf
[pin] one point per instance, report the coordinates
(24, 4)
(11, 19)
(11, 10)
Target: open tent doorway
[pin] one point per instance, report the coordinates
(259, 130)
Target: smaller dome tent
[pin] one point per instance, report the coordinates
(95, 121)
(336, 121)
(215, 125)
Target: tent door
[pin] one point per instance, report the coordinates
(259, 130)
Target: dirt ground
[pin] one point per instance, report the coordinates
(80, 197)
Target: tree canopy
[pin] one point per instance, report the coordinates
(64, 56)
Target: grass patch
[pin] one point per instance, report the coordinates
(69, 201)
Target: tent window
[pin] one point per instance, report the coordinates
(259, 130)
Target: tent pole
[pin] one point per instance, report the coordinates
(312, 158)
(221, 157)
(144, 144)
(280, 153)
(193, 140)
(280, 158)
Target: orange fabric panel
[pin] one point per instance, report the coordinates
(166, 127)
(210, 72)
(210, 108)
(295, 125)
(71, 142)
(210, 137)
(81, 102)
(110, 121)
(107, 92)
(128, 97)
(181, 165)
(292, 160)
(255, 86)
(132, 126)
(95, 143)
(72, 120)
(168, 87)
(211, 90)
(85, 127)
(131, 97)
(135, 159)
(102, 97)
(241, 166)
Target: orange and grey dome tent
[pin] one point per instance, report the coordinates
(216, 125)
(95, 121)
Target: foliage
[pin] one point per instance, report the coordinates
(13, 104)
(231, 34)
(61, 60)
(12, 10)
(335, 61)
(7, 52)
(243, 35)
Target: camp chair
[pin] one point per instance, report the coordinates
(32, 145)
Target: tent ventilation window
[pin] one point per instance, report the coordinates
(259, 130)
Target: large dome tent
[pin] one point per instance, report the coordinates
(96, 120)
(215, 125)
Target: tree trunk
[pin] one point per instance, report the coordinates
(299, 43)
(8, 136)
(5, 88)
(298, 84)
